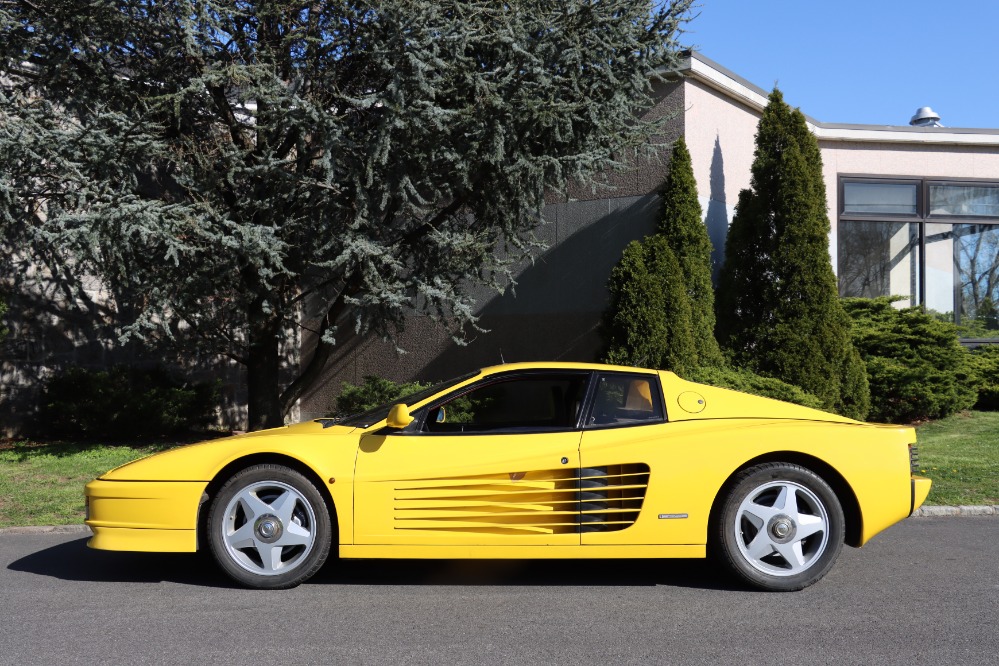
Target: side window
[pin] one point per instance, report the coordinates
(626, 400)
(524, 403)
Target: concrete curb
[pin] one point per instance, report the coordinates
(957, 511)
(46, 529)
(921, 512)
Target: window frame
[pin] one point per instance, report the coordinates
(921, 219)
(844, 180)
(416, 428)
(950, 182)
(591, 399)
(420, 418)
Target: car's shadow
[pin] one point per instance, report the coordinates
(72, 560)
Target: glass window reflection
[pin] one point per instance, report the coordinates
(878, 259)
(880, 198)
(950, 266)
(964, 200)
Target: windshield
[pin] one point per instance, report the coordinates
(376, 414)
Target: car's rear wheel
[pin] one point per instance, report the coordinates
(269, 527)
(780, 528)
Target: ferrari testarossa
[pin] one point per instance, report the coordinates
(527, 460)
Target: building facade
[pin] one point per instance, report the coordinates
(914, 213)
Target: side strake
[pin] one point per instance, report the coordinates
(552, 501)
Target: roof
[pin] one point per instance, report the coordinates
(710, 73)
(561, 365)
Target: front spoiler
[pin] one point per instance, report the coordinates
(151, 516)
(147, 541)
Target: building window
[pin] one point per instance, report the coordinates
(964, 200)
(878, 259)
(880, 198)
(934, 242)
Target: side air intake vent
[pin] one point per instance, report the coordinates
(558, 501)
(610, 498)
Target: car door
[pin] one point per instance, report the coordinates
(624, 438)
(490, 464)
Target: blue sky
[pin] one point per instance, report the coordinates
(871, 62)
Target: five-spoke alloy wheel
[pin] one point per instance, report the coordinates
(269, 527)
(780, 528)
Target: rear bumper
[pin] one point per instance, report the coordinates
(919, 488)
(152, 516)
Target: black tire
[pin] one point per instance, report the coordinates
(269, 528)
(780, 527)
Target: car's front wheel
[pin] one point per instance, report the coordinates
(269, 527)
(780, 528)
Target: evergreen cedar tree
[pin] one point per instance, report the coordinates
(234, 172)
(648, 320)
(778, 309)
(683, 227)
(661, 310)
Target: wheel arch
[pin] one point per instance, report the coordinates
(250, 460)
(844, 492)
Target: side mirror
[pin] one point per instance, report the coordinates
(399, 417)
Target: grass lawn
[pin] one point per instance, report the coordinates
(42, 484)
(961, 454)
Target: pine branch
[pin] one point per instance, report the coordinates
(228, 117)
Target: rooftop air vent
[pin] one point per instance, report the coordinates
(925, 117)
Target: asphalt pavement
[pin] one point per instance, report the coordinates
(924, 592)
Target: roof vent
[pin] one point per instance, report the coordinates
(925, 117)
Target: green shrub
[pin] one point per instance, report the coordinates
(916, 368)
(749, 382)
(855, 391)
(984, 367)
(372, 392)
(124, 403)
(648, 321)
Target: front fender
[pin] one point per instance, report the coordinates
(164, 491)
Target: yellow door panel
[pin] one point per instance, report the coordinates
(483, 489)
(640, 493)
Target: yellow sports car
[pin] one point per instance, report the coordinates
(527, 460)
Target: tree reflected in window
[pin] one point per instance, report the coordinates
(878, 259)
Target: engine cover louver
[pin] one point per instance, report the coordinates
(557, 501)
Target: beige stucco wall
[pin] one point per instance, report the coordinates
(720, 135)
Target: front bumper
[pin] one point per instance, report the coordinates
(153, 516)
(919, 487)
